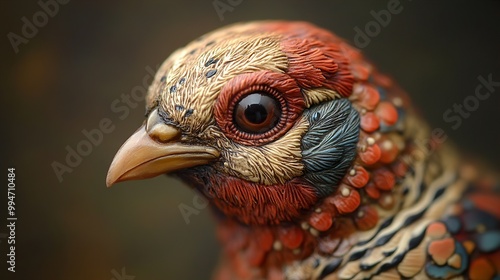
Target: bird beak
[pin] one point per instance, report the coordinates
(155, 149)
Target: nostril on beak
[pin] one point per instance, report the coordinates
(159, 131)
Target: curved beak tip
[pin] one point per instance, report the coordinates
(142, 157)
(114, 175)
(110, 181)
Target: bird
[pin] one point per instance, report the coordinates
(315, 164)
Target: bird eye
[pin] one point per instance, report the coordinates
(259, 107)
(257, 113)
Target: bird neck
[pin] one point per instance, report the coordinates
(366, 199)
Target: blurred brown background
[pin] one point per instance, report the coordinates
(67, 76)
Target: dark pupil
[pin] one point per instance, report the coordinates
(256, 113)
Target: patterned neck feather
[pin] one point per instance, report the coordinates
(348, 182)
(359, 153)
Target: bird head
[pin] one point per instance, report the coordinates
(268, 120)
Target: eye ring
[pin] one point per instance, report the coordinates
(257, 112)
(240, 133)
(278, 87)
